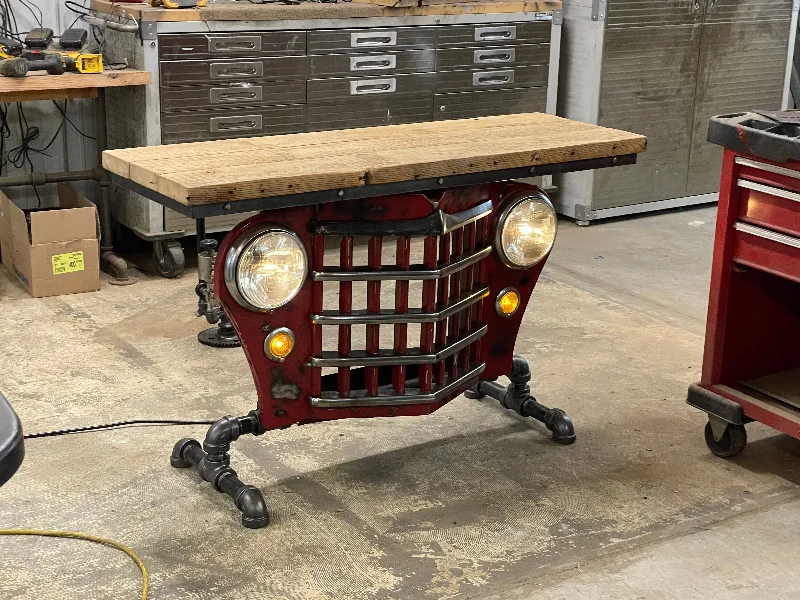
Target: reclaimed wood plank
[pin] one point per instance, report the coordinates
(230, 170)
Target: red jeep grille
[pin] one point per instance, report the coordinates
(454, 286)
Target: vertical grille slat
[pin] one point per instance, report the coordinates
(454, 283)
(345, 307)
(317, 261)
(403, 261)
(428, 304)
(375, 250)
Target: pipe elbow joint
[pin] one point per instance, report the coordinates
(253, 507)
(561, 425)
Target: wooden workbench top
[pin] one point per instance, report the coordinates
(38, 85)
(241, 169)
(275, 11)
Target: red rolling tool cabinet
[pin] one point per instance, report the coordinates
(751, 365)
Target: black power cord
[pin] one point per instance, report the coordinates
(117, 425)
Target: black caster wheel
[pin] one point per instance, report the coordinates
(172, 261)
(730, 444)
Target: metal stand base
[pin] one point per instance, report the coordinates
(517, 397)
(212, 463)
(222, 336)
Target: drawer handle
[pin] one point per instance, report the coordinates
(223, 95)
(373, 86)
(493, 78)
(234, 70)
(491, 34)
(234, 44)
(359, 40)
(224, 124)
(373, 63)
(767, 234)
(507, 55)
(757, 187)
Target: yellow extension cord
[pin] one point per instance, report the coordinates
(89, 538)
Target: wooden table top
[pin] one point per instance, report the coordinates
(276, 11)
(241, 169)
(38, 85)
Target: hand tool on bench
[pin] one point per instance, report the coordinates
(446, 189)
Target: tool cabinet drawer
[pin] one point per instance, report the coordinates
(198, 46)
(368, 111)
(292, 91)
(191, 72)
(772, 207)
(537, 32)
(511, 77)
(492, 57)
(767, 250)
(353, 88)
(373, 63)
(339, 41)
(194, 126)
(465, 105)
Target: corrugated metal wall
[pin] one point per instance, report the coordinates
(70, 150)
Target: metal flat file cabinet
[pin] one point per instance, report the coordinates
(228, 79)
(662, 69)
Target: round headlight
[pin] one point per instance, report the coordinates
(526, 230)
(266, 270)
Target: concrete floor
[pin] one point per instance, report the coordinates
(471, 502)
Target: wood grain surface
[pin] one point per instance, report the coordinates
(245, 11)
(38, 85)
(230, 170)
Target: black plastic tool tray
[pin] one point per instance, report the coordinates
(12, 449)
(771, 135)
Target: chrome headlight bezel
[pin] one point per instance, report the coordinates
(510, 204)
(231, 265)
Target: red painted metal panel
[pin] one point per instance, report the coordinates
(770, 211)
(373, 306)
(403, 260)
(428, 305)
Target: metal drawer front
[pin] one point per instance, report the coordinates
(190, 72)
(464, 105)
(210, 96)
(537, 32)
(198, 46)
(195, 126)
(351, 88)
(370, 40)
(457, 81)
(492, 57)
(336, 65)
(369, 111)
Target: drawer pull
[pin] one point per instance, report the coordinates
(238, 69)
(223, 95)
(491, 34)
(373, 86)
(234, 44)
(224, 124)
(360, 40)
(373, 62)
(507, 55)
(753, 164)
(758, 187)
(493, 77)
(767, 234)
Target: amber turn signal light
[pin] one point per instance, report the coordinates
(279, 344)
(507, 302)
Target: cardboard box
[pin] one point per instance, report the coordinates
(53, 251)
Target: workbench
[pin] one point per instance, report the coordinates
(41, 86)
(231, 70)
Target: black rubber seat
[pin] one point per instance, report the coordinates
(12, 448)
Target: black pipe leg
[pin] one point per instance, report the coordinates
(212, 463)
(517, 397)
